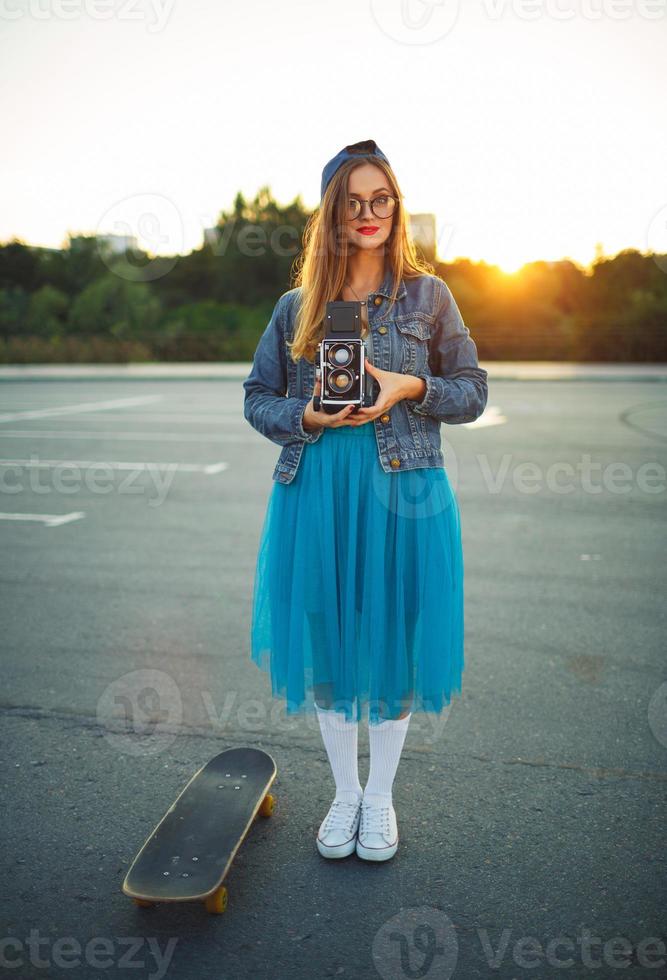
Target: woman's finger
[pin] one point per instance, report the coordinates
(340, 417)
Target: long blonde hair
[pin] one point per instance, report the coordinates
(320, 269)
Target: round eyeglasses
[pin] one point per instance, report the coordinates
(382, 206)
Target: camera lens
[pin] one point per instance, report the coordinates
(339, 355)
(340, 380)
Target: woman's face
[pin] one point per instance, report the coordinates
(367, 231)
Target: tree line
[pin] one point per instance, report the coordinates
(85, 303)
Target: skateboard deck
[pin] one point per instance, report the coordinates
(189, 853)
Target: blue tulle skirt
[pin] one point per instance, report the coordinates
(358, 594)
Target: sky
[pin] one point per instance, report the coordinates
(532, 130)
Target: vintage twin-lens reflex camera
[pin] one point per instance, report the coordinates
(340, 360)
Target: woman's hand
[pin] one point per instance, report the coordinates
(393, 388)
(315, 420)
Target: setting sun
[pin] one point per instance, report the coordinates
(511, 266)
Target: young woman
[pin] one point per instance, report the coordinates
(358, 596)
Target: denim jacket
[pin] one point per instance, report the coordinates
(424, 335)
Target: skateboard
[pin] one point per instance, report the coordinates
(189, 853)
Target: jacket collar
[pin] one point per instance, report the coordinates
(385, 288)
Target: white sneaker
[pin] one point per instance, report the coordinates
(337, 835)
(378, 833)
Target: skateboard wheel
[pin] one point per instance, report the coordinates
(267, 805)
(143, 904)
(217, 902)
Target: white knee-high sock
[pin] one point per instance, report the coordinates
(340, 741)
(386, 744)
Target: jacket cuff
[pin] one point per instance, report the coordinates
(426, 405)
(297, 422)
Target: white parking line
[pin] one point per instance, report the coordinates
(81, 407)
(124, 436)
(49, 520)
(490, 416)
(208, 468)
(209, 418)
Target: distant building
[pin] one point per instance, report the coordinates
(116, 244)
(422, 228)
(119, 243)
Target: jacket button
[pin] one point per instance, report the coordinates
(384, 418)
(382, 329)
(377, 300)
(395, 463)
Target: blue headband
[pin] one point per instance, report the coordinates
(364, 148)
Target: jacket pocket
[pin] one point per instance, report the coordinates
(414, 334)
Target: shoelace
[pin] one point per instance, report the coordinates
(341, 816)
(374, 819)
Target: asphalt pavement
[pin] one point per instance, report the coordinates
(531, 815)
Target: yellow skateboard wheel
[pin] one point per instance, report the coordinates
(267, 805)
(217, 902)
